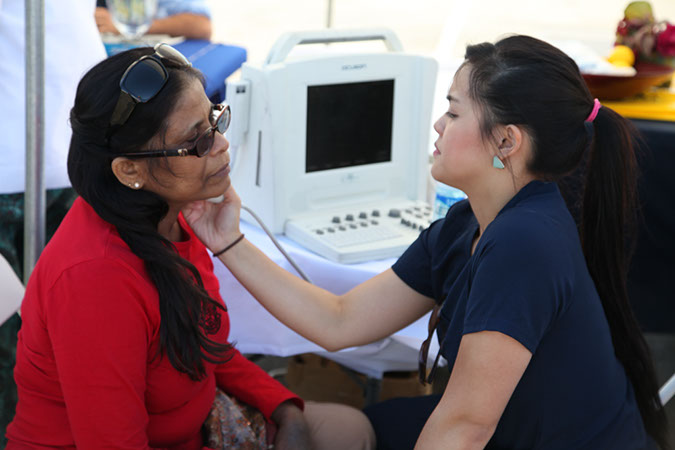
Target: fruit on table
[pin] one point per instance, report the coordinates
(636, 29)
(639, 11)
(622, 56)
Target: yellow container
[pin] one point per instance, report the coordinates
(657, 104)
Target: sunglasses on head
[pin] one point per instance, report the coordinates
(143, 80)
(220, 121)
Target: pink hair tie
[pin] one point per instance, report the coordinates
(594, 113)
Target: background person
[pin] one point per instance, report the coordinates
(124, 336)
(68, 25)
(189, 18)
(532, 315)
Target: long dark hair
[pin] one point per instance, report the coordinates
(524, 81)
(136, 214)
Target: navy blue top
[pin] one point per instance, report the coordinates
(528, 279)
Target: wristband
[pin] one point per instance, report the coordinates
(236, 241)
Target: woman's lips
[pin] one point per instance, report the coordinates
(224, 171)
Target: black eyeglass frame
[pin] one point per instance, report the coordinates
(220, 124)
(128, 98)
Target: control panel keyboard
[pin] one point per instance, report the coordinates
(361, 233)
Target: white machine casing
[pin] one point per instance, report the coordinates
(269, 106)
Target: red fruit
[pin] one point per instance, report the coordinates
(622, 28)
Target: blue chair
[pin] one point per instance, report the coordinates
(215, 61)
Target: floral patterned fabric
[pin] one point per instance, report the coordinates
(232, 424)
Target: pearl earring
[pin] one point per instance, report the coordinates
(137, 185)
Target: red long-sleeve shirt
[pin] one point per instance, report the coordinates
(87, 369)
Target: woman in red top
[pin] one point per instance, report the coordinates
(124, 335)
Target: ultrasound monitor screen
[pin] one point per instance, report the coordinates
(349, 124)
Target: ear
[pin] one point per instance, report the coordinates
(512, 140)
(129, 172)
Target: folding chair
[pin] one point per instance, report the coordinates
(11, 291)
(667, 390)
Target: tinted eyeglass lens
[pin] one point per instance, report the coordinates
(223, 121)
(206, 142)
(144, 79)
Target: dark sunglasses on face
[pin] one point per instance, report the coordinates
(220, 121)
(143, 80)
(424, 349)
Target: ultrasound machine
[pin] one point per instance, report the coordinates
(331, 148)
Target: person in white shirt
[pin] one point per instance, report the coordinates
(188, 18)
(72, 45)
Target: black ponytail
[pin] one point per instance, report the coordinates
(608, 218)
(524, 81)
(185, 306)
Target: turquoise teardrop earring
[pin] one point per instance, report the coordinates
(497, 163)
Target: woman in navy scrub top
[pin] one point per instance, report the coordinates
(532, 313)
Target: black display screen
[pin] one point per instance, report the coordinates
(349, 124)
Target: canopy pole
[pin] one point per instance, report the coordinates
(35, 195)
(329, 14)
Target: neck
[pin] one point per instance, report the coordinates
(488, 199)
(169, 227)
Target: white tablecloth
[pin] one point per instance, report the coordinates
(254, 330)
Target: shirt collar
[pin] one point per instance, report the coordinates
(531, 189)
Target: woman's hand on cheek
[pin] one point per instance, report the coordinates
(215, 224)
(292, 430)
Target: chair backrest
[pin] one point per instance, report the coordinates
(667, 390)
(11, 291)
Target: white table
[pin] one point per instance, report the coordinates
(254, 330)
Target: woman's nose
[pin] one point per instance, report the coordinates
(439, 125)
(220, 143)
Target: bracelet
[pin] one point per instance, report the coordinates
(236, 241)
